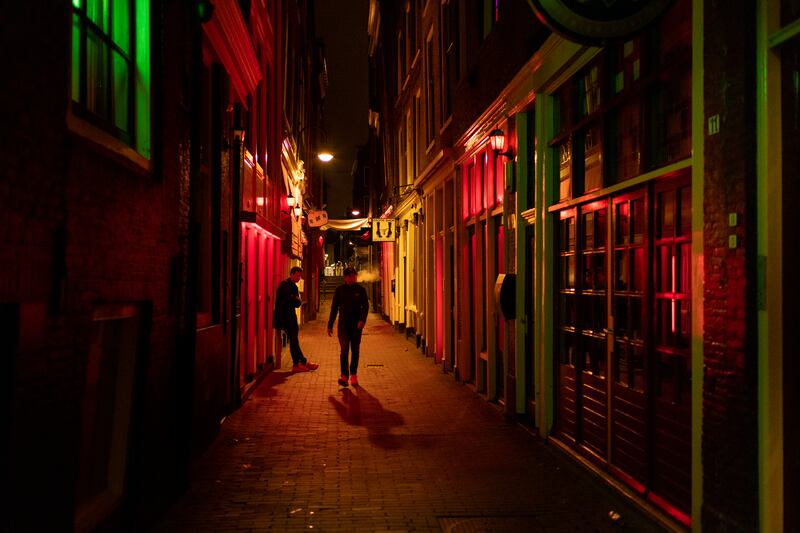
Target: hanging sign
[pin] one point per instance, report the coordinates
(317, 218)
(597, 22)
(383, 229)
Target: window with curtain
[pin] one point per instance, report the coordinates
(111, 68)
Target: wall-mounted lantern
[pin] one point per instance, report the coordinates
(497, 139)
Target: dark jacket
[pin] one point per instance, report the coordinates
(352, 304)
(287, 299)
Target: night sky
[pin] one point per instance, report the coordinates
(342, 26)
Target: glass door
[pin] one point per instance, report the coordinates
(592, 329)
(672, 394)
(629, 442)
(566, 422)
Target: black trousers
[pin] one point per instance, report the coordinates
(349, 341)
(294, 344)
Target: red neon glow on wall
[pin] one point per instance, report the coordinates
(466, 189)
(501, 270)
(480, 192)
(491, 200)
(439, 299)
(500, 182)
(674, 288)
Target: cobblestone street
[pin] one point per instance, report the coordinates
(408, 450)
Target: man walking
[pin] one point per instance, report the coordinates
(351, 302)
(287, 299)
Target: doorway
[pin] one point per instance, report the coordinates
(623, 336)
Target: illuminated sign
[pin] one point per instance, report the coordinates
(597, 22)
(317, 218)
(383, 229)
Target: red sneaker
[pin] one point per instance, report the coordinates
(343, 380)
(300, 368)
(311, 366)
(353, 380)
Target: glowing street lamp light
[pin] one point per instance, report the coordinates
(325, 156)
(497, 140)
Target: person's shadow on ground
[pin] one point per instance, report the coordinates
(359, 408)
(268, 388)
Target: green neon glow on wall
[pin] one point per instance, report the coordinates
(142, 119)
(97, 11)
(120, 25)
(120, 72)
(76, 56)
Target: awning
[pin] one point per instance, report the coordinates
(346, 224)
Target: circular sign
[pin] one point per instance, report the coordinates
(598, 22)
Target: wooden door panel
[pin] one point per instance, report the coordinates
(566, 423)
(629, 432)
(594, 417)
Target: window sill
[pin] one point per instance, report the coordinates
(107, 143)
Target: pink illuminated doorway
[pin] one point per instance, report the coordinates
(439, 299)
(249, 334)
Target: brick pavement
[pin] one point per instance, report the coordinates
(409, 450)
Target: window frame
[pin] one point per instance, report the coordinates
(134, 138)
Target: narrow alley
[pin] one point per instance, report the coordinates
(408, 450)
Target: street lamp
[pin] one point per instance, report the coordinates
(497, 139)
(323, 153)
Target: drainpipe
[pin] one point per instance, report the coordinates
(236, 263)
(187, 339)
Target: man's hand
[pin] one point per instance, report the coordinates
(360, 324)
(330, 332)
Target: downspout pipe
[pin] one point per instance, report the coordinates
(235, 397)
(188, 337)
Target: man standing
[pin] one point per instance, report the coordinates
(287, 299)
(351, 302)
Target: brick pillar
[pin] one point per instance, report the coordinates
(730, 494)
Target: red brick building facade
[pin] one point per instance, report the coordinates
(145, 154)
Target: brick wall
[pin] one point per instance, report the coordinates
(82, 227)
(492, 64)
(729, 394)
